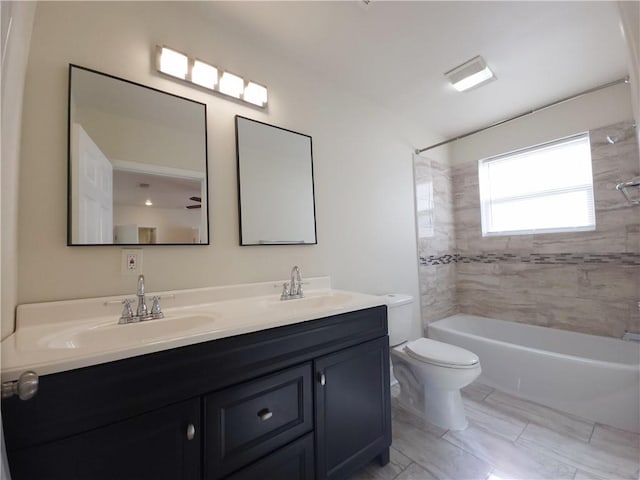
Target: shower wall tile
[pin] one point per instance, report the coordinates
(536, 279)
(478, 276)
(586, 315)
(497, 304)
(437, 270)
(581, 281)
(609, 282)
(437, 292)
(601, 241)
(633, 238)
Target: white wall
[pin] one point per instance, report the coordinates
(630, 19)
(362, 161)
(589, 112)
(167, 221)
(136, 140)
(14, 65)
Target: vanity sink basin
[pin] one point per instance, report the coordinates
(326, 300)
(52, 337)
(150, 331)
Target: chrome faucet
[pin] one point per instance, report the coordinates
(293, 289)
(142, 311)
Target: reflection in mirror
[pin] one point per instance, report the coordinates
(275, 185)
(137, 164)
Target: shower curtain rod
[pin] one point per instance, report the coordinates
(535, 110)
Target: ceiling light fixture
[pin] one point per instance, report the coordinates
(148, 203)
(210, 77)
(470, 74)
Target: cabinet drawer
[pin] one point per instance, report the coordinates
(293, 462)
(248, 421)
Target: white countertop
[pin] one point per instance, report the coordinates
(54, 337)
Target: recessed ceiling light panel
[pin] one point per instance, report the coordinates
(470, 74)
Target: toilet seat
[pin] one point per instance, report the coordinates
(441, 354)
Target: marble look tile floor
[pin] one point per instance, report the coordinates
(507, 438)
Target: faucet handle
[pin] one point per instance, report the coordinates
(127, 312)
(285, 291)
(156, 311)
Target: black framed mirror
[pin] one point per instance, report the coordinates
(138, 171)
(275, 185)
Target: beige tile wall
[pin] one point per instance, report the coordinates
(436, 237)
(535, 284)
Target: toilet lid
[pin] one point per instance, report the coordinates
(438, 353)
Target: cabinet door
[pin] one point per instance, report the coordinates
(353, 412)
(164, 444)
(292, 462)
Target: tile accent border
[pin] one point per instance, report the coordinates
(623, 258)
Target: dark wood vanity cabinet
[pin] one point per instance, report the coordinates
(163, 444)
(305, 401)
(352, 401)
(246, 422)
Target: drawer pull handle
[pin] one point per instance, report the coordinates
(191, 431)
(265, 414)
(323, 379)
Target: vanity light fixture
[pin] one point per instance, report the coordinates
(204, 74)
(173, 63)
(231, 85)
(192, 70)
(256, 94)
(472, 73)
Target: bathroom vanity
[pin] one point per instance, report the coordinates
(298, 399)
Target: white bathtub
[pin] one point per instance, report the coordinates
(597, 378)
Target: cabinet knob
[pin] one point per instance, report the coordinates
(322, 379)
(191, 431)
(25, 387)
(265, 414)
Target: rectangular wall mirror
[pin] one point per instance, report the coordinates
(137, 164)
(275, 185)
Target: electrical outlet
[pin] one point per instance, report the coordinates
(131, 261)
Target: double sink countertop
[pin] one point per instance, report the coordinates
(53, 337)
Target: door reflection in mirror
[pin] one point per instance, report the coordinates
(137, 164)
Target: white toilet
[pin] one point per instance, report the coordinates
(430, 373)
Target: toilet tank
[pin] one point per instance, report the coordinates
(400, 316)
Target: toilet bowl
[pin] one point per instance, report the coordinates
(430, 387)
(430, 373)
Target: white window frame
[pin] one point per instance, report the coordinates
(485, 203)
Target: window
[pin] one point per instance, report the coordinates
(542, 189)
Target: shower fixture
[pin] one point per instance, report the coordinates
(621, 135)
(624, 186)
